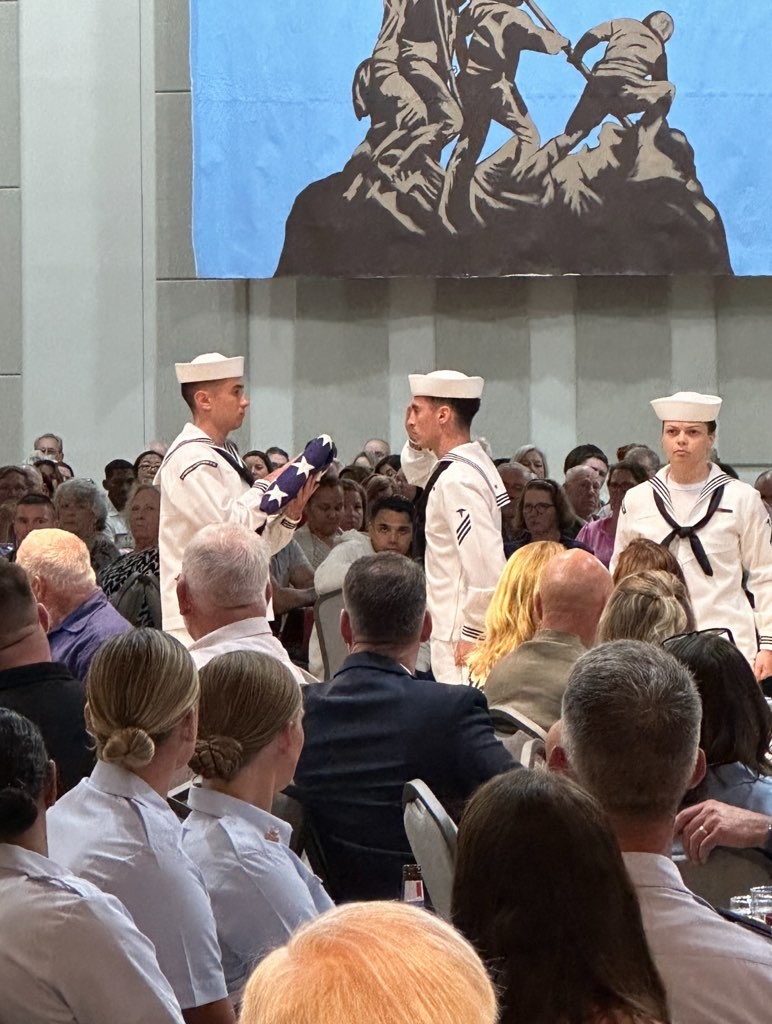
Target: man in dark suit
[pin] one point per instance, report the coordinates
(33, 685)
(374, 727)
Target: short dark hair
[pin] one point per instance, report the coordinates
(635, 469)
(385, 597)
(33, 498)
(24, 768)
(393, 461)
(17, 601)
(275, 450)
(117, 465)
(579, 455)
(464, 409)
(394, 503)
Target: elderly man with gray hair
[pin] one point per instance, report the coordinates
(630, 736)
(80, 618)
(223, 591)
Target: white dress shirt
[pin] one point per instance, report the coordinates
(246, 635)
(715, 971)
(115, 831)
(52, 926)
(260, 890)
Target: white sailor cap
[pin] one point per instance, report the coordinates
(445, 384)
(210, 366)
(688, 406)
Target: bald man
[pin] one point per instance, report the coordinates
(572, 594)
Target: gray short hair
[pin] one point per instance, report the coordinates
(385, 597)
(225, 565)
(83, 492)
(631, 727)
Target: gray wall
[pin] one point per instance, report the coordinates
(98, 295)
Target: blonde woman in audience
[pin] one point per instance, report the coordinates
(115, 828)
(511, 616)
(651, 606)
(532, 458)
(372, 963)
(52, 924)
(250, 735)
(558, 924)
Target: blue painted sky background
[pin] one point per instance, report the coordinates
(272, 111)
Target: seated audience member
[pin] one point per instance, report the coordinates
(643, 456)
(511, 617)
(356, 474)
(33, 685)
(372, 963)
(33, 512)
(591, 456)
(377, 449)
(582, 488)
(514, 477)
(544, 513)
(378, 487)
(132, 583)
(354, 502)
(278, 457)
(390, 528)
(118, 482)
(292, 580)
(630, 737)
(223, 591)
(573, 591)
(763, 485)
(541, 892)
(362, 461)
(651, 605)
(258, 463)
(51, 446)
(321, 530)
(65, 471)
(532, 458)
(80, 618)
(115, 829)
(250, 735)
(389, 465)
(736, 729)
(35, 482)
(81, 509)
(52, 924)
(598, 536)
(49, 471)
(146, 465)
(642, 553)
(374, 727)
(13, 485)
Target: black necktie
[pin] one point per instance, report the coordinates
(690, 532)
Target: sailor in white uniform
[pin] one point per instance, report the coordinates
(68, 952)
(716, 526)
(203, 478)
(461, 512)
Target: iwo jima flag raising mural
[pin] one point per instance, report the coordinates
(379, 138)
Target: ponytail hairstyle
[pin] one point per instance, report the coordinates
(139, 686)
(246, 701)
(24, 768)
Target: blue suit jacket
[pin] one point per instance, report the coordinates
(370, 730)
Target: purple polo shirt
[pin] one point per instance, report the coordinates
(77, 638)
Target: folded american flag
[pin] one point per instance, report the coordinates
(316, 457)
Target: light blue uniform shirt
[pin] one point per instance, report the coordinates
(115, 831)
(69, 953)
(260, 890)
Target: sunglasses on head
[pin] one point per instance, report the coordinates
(722, 631)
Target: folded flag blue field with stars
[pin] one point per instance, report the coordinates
(317, 456)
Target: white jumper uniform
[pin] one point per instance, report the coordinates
(737, 538)
(200, 486)
(464, 548)
(69, 953)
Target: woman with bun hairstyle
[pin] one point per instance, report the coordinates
(115, 828)
(250, 735)
(51, 923)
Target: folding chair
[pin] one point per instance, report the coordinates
(327, 621)
(522, 737)
(727, 873)
(431, 833)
